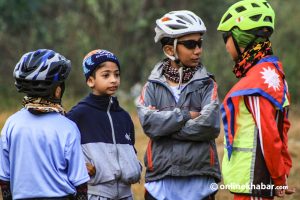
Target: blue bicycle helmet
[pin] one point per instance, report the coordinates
(39, 72)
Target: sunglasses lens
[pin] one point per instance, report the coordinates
(226, 36)
(191, 44)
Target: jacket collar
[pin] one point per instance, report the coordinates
(102, 102)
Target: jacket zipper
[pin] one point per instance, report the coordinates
(114, 139)
(111, 122)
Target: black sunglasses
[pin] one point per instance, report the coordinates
(191, 44)
(226, 35)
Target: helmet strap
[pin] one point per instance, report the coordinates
(175, 57)
(177, 60)
(175, 49)
(171, 57)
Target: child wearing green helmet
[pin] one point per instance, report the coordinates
(256, 160)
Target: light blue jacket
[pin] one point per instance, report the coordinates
(41, 155)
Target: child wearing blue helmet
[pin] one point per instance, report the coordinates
(107, 131)
(40, 153)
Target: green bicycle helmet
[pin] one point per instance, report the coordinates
(247, 15)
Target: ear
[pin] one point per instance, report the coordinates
(57, 92)
(91, 82)
(169, 49)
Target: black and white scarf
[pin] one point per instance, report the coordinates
(172, 74)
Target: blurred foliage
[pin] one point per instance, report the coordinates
(125, 27)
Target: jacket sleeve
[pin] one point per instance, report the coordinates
(4, 153)
(285, 153)
(158, 123)
(273, 141)
(207, 126)
(132, 133)
(77, 171)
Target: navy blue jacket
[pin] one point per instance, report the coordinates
(107, 138)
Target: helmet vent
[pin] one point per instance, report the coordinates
(175, 27)
(63, 71)
(266, 4)
(43, 68)
(227, 18)
(29, 68)
(240, 9)
(185, 19)
(268, 19)
(192, 17)
(51, 56)
(255, 17)
(254, 5)
(179, 21)
(36, 53)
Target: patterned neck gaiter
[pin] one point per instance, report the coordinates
(250, 57)
(39, 105)
(172, 74)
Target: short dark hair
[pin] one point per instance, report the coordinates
(167, 41)
(93, 74)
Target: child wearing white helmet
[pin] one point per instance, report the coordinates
(255, 110)
(40, 152)
(179, 112)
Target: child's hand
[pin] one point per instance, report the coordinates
(152, 107)
(279, 193)
(194, 114)
(91, 169)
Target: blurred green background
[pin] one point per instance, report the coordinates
(126, 27)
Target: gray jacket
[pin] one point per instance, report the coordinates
(179, 145)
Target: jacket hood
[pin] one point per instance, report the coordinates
(101, 102)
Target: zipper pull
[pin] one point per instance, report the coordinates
(180, 70)
(109, 104)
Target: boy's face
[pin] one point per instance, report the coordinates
(189, 56)
(106, 80)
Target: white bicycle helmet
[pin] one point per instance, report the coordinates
(178, 23)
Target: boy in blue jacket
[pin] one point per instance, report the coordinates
(40, 153)
(107, 131)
